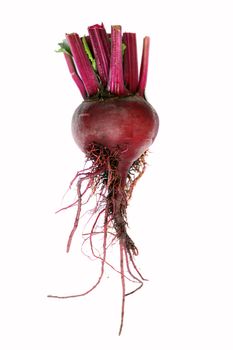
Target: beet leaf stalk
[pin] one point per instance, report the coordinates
(114, 126)
(83, 64)
(116, 81)
(102, 51)
(144, 66)
(64, 47)
(130, 62)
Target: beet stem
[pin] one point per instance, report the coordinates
(102, 50)
(144, 67)
(83, 64)
(130, 62)
(116, 81)
(74, 74)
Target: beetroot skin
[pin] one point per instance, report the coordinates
(130, 122)
(114, 126)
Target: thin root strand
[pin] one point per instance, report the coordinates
(103, 181)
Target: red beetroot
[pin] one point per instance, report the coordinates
(114, 126)
(130, 122)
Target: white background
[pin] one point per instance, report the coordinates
(181, 212)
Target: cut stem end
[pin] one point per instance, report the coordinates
(105, 65)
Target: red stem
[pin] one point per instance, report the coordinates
(144, 67)
(74, 74)
(130, 62)
(101, 48)
(116, 81)
(83, 64)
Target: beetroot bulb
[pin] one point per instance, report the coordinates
(114, 126)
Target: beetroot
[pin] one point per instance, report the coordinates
(114, 126)
(130, 122)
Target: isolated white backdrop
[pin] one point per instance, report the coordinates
(181, 213)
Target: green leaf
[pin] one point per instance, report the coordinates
(64, 47)
(89, 54)
(123, 47)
